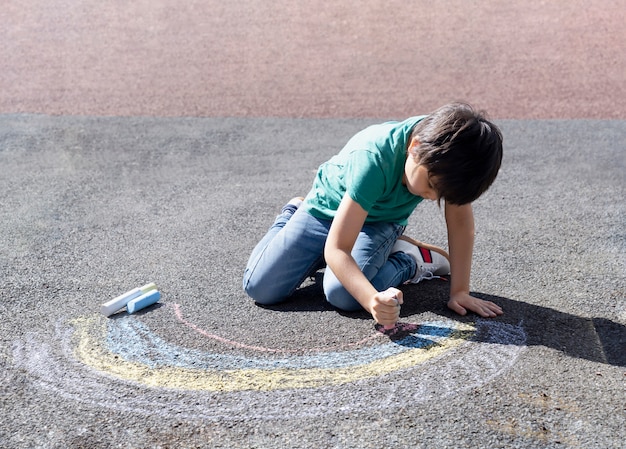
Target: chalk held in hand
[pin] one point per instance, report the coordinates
(143, 301)
(388, 327)
(112, 306)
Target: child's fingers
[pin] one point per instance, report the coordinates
(496, 308)
(458, 308)
(493, 308)
(487, 309)
(387, 310)
(392, 296)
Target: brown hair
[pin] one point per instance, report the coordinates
(462, 151)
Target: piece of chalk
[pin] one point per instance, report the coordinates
(146, 288)
(112, 306)
(143, 301)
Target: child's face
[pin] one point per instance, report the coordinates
(416, 177)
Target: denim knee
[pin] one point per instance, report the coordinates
(261, 292)
(338, 296)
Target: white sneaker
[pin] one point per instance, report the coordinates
(432, 261)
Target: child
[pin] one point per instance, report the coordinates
(353, 218)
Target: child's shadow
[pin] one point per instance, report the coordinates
(308, 298)
(596, 339)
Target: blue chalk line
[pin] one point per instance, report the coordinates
(134, 342)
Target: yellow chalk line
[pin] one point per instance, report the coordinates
(90, 350)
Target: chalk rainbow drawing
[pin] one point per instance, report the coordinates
(126, 349)
(95, 356)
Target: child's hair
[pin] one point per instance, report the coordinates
(462, 151)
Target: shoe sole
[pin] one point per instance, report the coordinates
(425, 245)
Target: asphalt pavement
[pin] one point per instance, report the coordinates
(103, 196)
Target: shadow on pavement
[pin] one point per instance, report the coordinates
(595, 339)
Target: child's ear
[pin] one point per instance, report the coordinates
(414, 146)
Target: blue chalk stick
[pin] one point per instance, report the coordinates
(145, 300)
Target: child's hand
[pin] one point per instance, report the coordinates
(462, 302)
(385, 307)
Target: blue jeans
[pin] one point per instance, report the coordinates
(293, 249)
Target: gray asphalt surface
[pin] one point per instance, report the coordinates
(155, 141)
(95, 206)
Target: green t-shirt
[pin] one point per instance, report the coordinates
(370, 169)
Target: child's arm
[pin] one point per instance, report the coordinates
(460, 223)
(343, 233)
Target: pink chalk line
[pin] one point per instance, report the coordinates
(179, 316)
